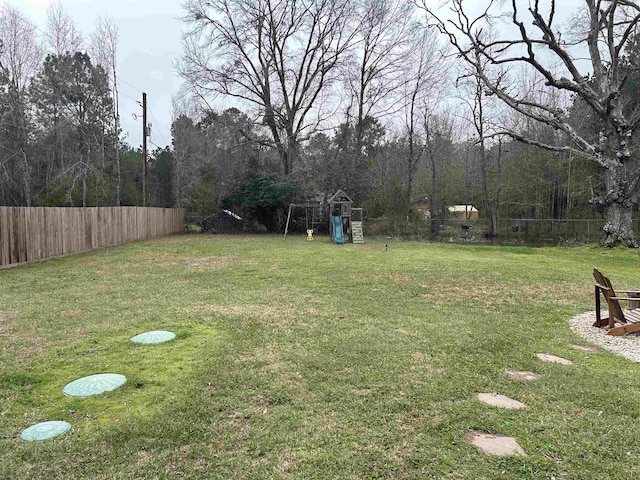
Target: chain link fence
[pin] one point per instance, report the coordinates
(511, 231)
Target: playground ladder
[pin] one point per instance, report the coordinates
(356, 232)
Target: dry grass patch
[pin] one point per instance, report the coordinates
(145, 456)
(407, 425)
(288, 463)
(269, 354)
(417, 373)
(423, 364)
(72, 315)
(396, 278)
(207, 263)
(400, 278)
(109, 270)
(281, 371)
(8, 322)
(282, 318)
(437, 415)
(24, 342)
(184, 461)
(364, 276)
(492, 292)
(27, 347)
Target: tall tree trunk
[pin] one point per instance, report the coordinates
(620, 200)
(291, 155)
(84, 186)
(26, 178)
(434, 204)
(491, 196)
(412, 161)
(116, 119)
(118, 170)
(176, 184)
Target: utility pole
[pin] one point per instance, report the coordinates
(144, 149)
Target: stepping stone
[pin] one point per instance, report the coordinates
(497, 445)
(44, 431)
(582, 348)
(545, 357)
(528, 376)
(502, 401)
(153, 337)
(94, 385)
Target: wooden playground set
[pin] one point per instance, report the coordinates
(345, 222)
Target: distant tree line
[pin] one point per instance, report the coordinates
(379, 98)
(360, 95)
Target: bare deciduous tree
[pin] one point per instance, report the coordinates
(104, 49)
(438, 132)
(62, 35)
(424, 64)
(482, 110)
(540, 45)
(20, 57)
(277, 55)
(20, 54)
(386, 34)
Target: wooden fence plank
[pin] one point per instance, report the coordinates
(11, 234)
(41, 229)
(4, 236)
(22, 234)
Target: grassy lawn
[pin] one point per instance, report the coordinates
(303, 359)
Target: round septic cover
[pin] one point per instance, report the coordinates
(94, 385)
(156, 336)
(44, 431)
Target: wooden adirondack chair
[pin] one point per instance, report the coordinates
(629, 318)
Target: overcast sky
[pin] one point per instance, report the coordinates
(149, 44)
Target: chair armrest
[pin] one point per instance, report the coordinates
(631, 299)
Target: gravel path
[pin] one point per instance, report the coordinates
(626, 345)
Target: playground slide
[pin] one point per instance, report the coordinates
(338, 236)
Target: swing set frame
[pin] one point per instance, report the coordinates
(306, 206)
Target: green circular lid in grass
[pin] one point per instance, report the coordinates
(45, 430)
(94, 385)
(157, 336)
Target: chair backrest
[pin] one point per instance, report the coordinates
(615, 310)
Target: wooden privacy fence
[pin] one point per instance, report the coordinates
(28, 234)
